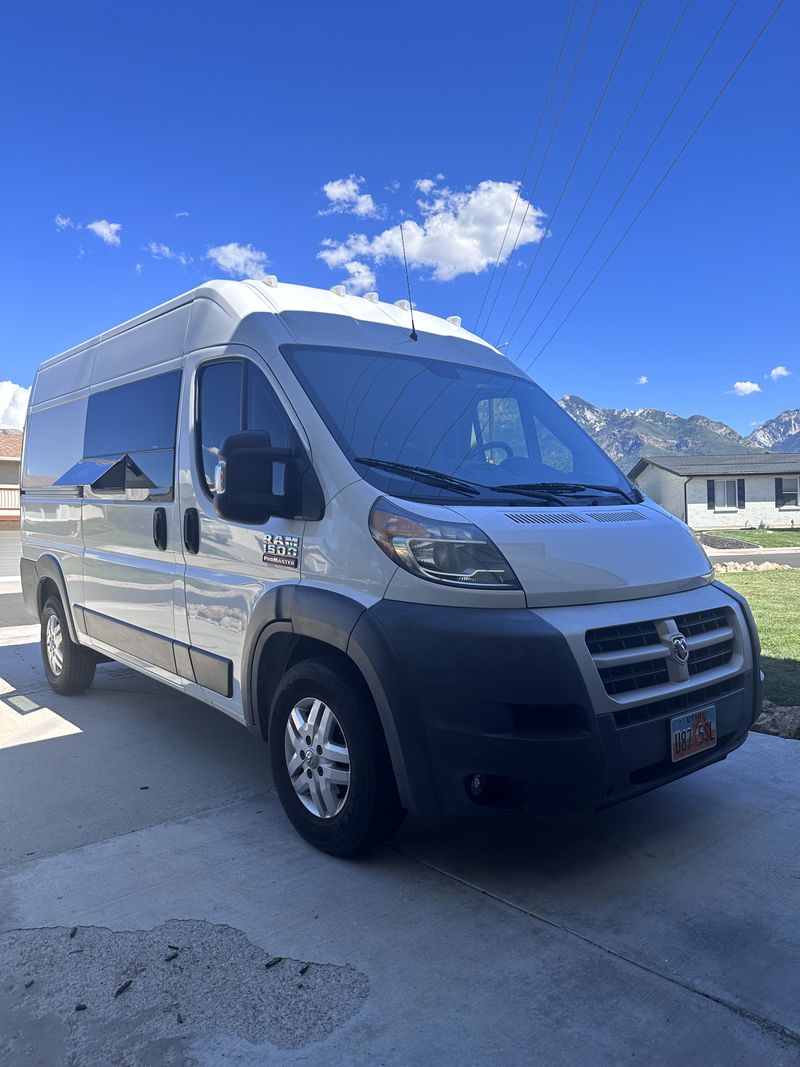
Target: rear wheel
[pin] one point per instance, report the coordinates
(69, 667)
(329, 759)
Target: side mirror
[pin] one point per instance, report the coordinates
(247, 474)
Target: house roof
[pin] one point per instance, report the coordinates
(717, 466)
(10, 444)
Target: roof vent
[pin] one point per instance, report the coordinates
(272, 281)
(339, 290)
(403, 305)
(454, 319)
(372, 297)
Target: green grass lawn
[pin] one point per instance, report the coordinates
(774, 597)
(764, 538)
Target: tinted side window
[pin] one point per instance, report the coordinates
(234, 395)
(53, 442)
(136, 417)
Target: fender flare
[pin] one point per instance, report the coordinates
(48, 566)
(325, 616)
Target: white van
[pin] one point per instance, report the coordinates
(383, 549)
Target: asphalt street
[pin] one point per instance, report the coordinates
(156, 907)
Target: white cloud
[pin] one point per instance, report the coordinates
(346, 197)
(106, 231)
(240, 261)
(745, 388)
(459, 233)
(642, 380)
(64, 222)
(159, 251)
(361, 277)
(181, 214)
(138, 268)
(425, 185)
(13, 405)
(779, 372)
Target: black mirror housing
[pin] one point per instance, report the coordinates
(246, 476)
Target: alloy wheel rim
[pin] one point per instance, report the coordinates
(317, 757)
(54, 643)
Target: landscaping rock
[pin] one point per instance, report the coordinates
(714, 541)
(778, 721)
(732, 567)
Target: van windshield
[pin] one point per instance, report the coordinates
(499, 435)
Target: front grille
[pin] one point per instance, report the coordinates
(702, 622)
(659, 709)
(636, 657)
(706, 659)
(616, 638)
(627, 677)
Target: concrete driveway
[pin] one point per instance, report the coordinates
(156, 907)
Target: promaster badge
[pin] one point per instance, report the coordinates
(283, 549)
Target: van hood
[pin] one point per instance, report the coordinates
(594, 554)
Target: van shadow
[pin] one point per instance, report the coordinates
(782, 680)
(126, 753)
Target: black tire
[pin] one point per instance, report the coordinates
(77, 664)
(370, 807)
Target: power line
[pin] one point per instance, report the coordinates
(528, 160)
(578, 155)
(608, 159)
(532, 194)
(661, 181)
(627, 184)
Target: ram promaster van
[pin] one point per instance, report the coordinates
(383, 549)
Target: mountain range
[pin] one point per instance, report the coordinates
(626, 435)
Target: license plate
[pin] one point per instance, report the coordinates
(693, 732)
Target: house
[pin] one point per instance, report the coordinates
(10, 457)
(718, 492)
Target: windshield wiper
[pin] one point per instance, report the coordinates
(449, 481)
(573, 487)
(421, 474)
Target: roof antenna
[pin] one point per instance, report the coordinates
(408, 285)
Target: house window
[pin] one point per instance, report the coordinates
(725, 493)
(790, 493)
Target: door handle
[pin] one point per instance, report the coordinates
(160, 528)
(191, 530)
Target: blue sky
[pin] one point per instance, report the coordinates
(151, 146)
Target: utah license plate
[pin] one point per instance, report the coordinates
(693, 732)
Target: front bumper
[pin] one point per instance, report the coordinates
(507, 695)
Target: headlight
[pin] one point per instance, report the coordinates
(453, 553)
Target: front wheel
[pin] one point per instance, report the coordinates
(69, 667)
(329, 760)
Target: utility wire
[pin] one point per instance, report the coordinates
(628, 183)
(575, 161)
(661, 181)
(535, 186)
(528, 160)
(609, 157)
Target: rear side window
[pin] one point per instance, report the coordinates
(136, 417)
(138, 420)
(53, 442)
(234, 395)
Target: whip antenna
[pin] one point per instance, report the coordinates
(408, 285)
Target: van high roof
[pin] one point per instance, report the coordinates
(305, 312)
